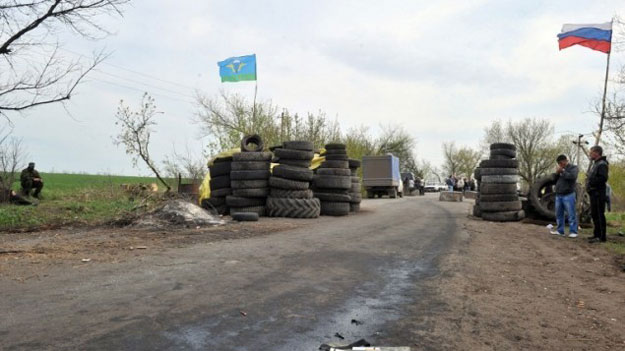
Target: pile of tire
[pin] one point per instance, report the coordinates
(219, 185)
(249, 178)
(498, 176)
(333, 181)
(290, 193)
(354, 193)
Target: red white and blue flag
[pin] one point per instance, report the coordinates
(594, 36)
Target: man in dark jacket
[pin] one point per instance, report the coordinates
(566, 179)
(596, 188)
(30, 179)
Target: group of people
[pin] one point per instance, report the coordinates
(460, 184)
(596, 187)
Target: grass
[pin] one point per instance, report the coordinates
(69, 199)
(616, 225)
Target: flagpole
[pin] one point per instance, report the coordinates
(255, 86)
(605, 93)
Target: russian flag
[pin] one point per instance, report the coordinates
(594, 36)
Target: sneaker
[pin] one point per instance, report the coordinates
(556, 233)
(573, 235)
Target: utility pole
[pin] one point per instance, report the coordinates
(579, 146)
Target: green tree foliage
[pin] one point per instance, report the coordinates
(460, 161)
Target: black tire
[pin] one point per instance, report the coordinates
(252, 156)
(236, 201)
(332, 182)
(259, 210)
(222, 159)
(476, 211)
(299, 145)
(251, 192)
(216, 201)
(502, 152)
(355, 198)
(220, 169)
(354, 207)
(334, 171)
(332, 191)
(497, 171)
(337, 157)
(245, 216)
(223, 192)
(478, 173)
(250, 166)
(500, 206)
(499, 164)
(500, 179)
(293, 208)
(541, 202)
(293, 173)
(355, 188)
(335, 146)
(252, 139)
(220, 182)
(221, 210)
(354, 171)
(354, 164)
(332, 197)
(512, 216)
(292, 154)
(281, 183)
(295, 163)
(499, 197)
(249, 175)
(355, 179)
(291, 194)
(508, 146)
(248, 184)
(497, 189)
(334, 164)
(329, 208)
(500, 157)
(392, 193)
(335, 152)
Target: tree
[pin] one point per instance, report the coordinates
(460, 161)
(136, 130)
(32, 71)
(187, 165)
(11, 158)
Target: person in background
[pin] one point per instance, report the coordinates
(460, 184)
(608, 197)
(30, 179)
(596, 188)
(450, 183)
(566, 179)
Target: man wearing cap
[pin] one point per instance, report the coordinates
(30, 179)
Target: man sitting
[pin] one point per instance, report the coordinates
(30, 179)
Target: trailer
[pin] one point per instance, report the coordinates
(380, 176)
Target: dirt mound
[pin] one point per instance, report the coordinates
(179, 212)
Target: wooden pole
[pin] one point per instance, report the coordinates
(605, 92)
(254, 108)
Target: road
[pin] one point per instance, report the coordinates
(291, 290)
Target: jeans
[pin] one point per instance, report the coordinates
(566, 203)
(597, 210)
(450, 188)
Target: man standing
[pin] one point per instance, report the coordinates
(450, 183)
(596, 188)
(566, 179)
(30, 179)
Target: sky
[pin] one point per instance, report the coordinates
(442, 70)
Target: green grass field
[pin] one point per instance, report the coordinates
(73, 199)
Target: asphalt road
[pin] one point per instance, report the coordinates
(292, 290)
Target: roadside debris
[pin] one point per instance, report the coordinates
(86, 260)
(179, 212)
(244, 314)
(357, 322)
(339, 336)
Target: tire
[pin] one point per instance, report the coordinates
(498, 171)
(252, 156)
(508, 146)
(245, 216)
(216, 201)
(478, 173)
(354, 164)
(259, 210)
(503, 152)
(252, 139)
(334, 171)
(512, 216)
(539, 200)
(355, 198)
(292, 154)
(273, 148)
(354, 207)
(220, 169)
(331, 191)
(291, 194)
(498, 179)
(281, 183)
(332, 182)
(220, 182)
(249, 175)
(236, 201)
(250, 166)
(332, 197)
(249, 184)
(392, 193)
(295, 163)
(334, 208)
(476, 211)
(499, 197)
(299, 145)
(251, 192)
(335, 146)
(500, 157)
(355, 179)
(355, 188)
(335, 152)
(223, 192)
(354, 171)
(486, 189)
(293, 173)
(499, 164)
(222, 159)
(337, 157)
(500, 206)
(293, 208)
(334, 164)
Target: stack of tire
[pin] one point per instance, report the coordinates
(219, 185)
(498, 177)
(333, 182)
(354, 193)
(249, 179)
(290, 193)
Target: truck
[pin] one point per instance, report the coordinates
(380, 176)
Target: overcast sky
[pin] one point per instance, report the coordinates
(443, 70)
